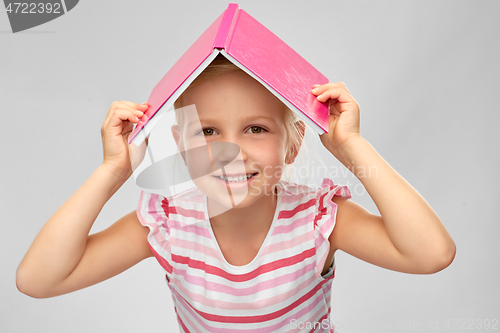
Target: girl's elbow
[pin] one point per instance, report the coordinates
(28, 285)
(443, 259)
(24, 284)
(450, 255)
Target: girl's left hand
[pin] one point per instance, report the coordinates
(343, 119)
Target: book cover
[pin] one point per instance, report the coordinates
(254, 49)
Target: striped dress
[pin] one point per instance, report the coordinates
(280, 290)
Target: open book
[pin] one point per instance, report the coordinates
(257, 51)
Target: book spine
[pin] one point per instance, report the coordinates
(230, 33)
(225, 26)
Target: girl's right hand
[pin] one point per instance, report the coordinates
(115, 130)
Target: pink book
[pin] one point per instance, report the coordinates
(257, 51)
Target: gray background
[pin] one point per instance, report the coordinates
(426, 74)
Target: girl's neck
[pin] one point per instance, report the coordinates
(254, 218)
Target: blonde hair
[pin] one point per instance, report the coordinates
(293, 125)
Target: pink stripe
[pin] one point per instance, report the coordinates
(327, 182)
(320, 325)
(322, 249)
(161, 242)
(190, 228)
(288, 244)
(286, 321)
(321, 263)
(264, 285)
(285, 229)
(290, 261)
(197, 247)
(329, 186)
(152, 211)
(196, 198)
(188, 311)
(188, 322)
(286, 214)
(197, 214)
(321, 209)
(312, 318)
(317, 242)
(290, 198)
(181, 324)
(163, 263)
(326, 225)
(164, 205)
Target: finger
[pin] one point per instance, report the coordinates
(342, 85)
(319, 89)
(116, 105)
(124, 106)
(136, 153)
(120, 116)
(337, 93)
(345, 87)
(137, 109)
(131, 104)
(141, 107)
(111, 110)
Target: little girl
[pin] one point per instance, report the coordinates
(266, 263)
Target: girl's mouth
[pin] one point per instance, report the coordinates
(237, 179)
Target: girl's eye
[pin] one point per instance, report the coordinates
(256, 129)
(208, 131)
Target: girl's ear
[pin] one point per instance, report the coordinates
(176, 133)
(295, 148)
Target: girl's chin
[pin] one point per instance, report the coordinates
(226, 195)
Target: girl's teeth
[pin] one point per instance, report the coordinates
(236, 179)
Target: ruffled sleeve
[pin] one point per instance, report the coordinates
(153, 211)
(324, 220)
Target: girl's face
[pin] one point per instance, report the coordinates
(233, 110)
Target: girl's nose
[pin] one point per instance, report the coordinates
(223, 153)
(234, 138)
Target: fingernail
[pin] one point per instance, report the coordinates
(140, 113)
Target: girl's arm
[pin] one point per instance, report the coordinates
(63, 257)
(408, 236)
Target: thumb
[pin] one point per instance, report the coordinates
(136, 153)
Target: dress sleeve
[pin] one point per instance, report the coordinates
(152, 211)
(324, 220)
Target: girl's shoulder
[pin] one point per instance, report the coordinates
(158, 209)
(293, 192)
(298, 201)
